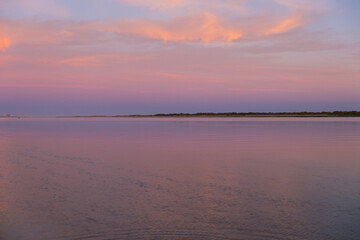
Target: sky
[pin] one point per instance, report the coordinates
(85, 57)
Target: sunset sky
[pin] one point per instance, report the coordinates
(70, 57)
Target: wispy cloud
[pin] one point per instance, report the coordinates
(154, 3)
(211, 21)
(205, 27)
(222, 48)
(206, 21)
(286, 24)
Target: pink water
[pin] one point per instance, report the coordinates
(271, 178)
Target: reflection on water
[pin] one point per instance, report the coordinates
(180, 179)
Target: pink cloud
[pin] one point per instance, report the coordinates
(286, 24)
(88, 61)
(99, 60)
(205, 54)
(5, 40)
(33, 32)
(154, 3)
(206, 21)
(205, 27)
(5, 43)
(189, 5)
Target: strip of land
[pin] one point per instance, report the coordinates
(241, 114)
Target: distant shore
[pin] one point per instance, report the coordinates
(233, 114)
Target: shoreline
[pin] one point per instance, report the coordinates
(230, 115)
(336, 114)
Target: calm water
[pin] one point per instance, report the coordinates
(180, 179)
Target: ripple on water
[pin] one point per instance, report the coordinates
(175, 234)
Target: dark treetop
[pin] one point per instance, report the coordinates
(245, 114)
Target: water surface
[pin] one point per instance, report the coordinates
(169, 178)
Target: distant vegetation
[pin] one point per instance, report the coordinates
(247, 114)
(8, 116)
(265, 114)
